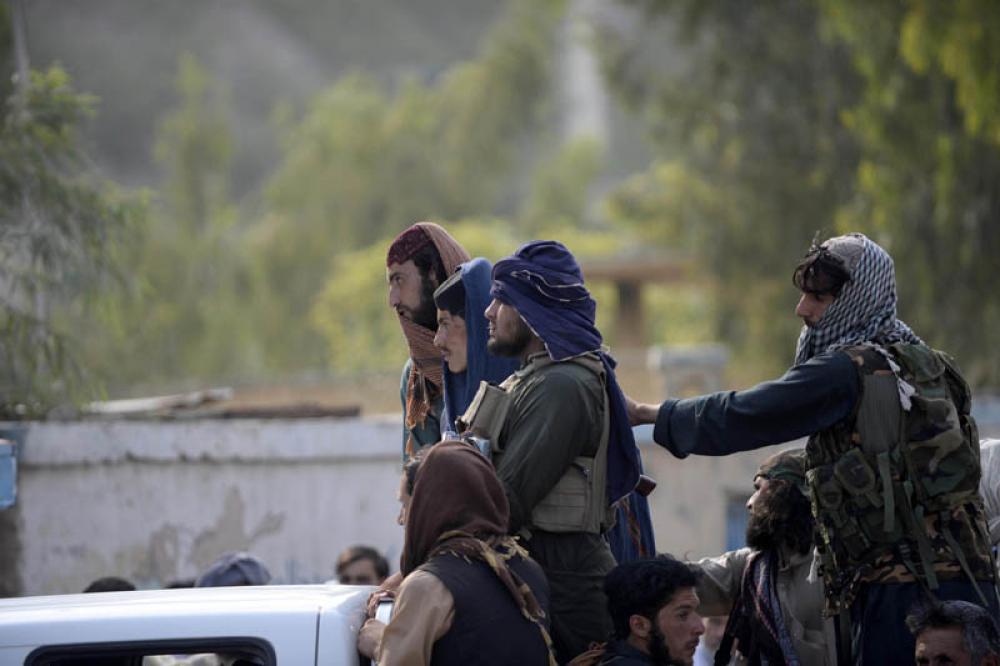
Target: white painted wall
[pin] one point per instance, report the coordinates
(154, 501)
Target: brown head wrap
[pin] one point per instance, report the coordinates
(426, 377)
(456, 495)
(458, 506)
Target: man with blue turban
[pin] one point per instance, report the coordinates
(560, 437)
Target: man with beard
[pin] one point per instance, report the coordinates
(559, 435)
(418, 260)
(654, 608)
(777, 609)
(893, 452)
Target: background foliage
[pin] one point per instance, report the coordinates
(256, 250)
(778, 120)
(60, 234)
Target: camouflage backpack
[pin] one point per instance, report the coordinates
(895, 493)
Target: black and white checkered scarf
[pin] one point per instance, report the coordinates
(865, 310)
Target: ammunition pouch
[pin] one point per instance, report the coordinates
(898, 490)
(486, 414)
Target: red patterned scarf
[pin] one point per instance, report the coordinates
(426, 375)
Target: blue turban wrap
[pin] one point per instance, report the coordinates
(544, 282)
(460, 388)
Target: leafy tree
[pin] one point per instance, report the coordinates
(185, 317)
(61, 234)
(561, 185)
(927, 184)
(741, 101)
(302, 280)
(365, 163)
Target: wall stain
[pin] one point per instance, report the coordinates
(229, 532)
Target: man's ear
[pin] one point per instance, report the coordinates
(639, 626)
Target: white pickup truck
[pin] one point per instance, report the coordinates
(232, 626)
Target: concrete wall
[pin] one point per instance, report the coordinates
(155, 501)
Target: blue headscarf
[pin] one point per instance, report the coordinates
(544, 282)
(460, 388)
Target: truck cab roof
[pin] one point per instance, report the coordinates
(287, 624)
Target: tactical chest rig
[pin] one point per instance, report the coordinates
(578, 501)
(894, 492)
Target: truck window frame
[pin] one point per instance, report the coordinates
(252, 646)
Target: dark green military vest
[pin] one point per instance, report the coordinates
(578, 501)
(895, 492)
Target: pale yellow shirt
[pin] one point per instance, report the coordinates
(422, 614)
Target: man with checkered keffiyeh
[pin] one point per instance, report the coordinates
(893, 452)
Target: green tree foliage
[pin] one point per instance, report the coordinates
(297, 286)
(959, 39)
(365, 163)
(560, 187)
(184, 318)
(777, 120)
(741, 101)
(61, 234)
(928, 181)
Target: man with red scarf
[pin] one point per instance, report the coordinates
(419, 259)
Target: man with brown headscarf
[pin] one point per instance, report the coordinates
(418, 260)
(470, 594)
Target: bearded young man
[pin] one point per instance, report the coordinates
(653, 605)
(419, 259)
(560, 437)
(777, 608)
(893, 454)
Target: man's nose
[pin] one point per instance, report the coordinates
(491, 309)
(439, 339)
(393, 296)
(803, 309)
